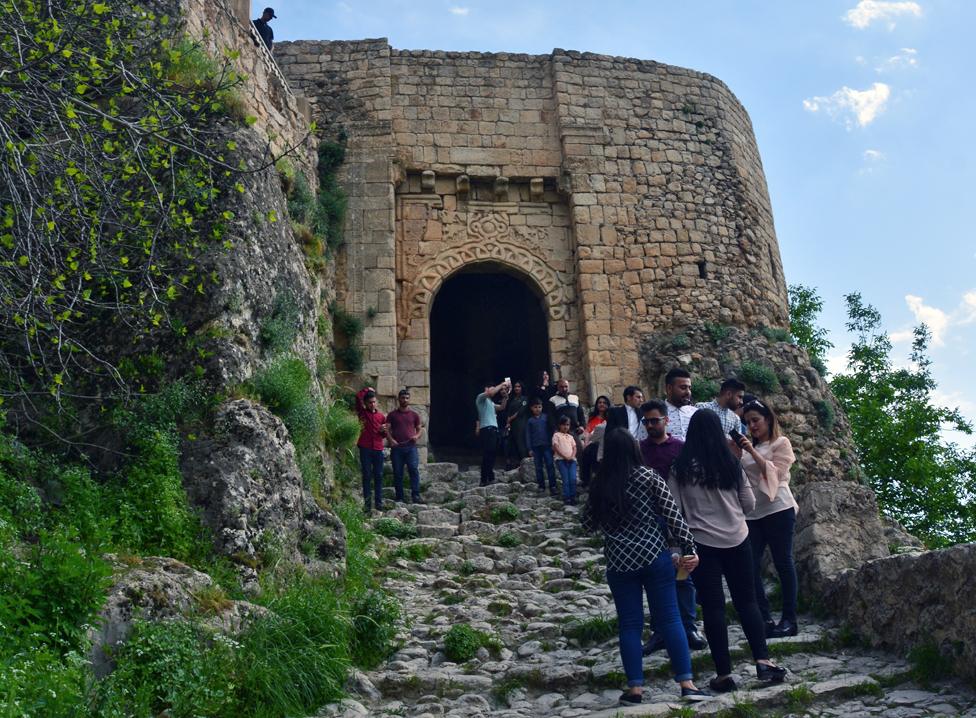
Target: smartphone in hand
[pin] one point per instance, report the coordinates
(736, 437)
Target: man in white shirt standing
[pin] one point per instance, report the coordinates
(677, 390)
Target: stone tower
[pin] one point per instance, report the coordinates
(508, 210)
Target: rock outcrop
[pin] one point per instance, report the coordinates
(914, 600)
(244, 478)
(155, 588)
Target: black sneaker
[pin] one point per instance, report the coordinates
(722, 685)
(783, 629)
(696, 641)
(770, 674)
(631, 699)
(654, 643)
(694, 695)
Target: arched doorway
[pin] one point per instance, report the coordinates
(485, 324)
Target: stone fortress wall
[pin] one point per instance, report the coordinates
(631, 193)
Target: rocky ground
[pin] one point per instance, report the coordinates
(515, 565)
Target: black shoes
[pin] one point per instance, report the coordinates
(696, 641)
(631, 699)
(770, 627)
(783, 629)
(654, 643)
(770, 674)
(694, 695)
(722, 685)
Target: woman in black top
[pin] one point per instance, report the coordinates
(624, 503)
(516, 414)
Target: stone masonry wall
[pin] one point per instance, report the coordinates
(224, 27)
(655, 167)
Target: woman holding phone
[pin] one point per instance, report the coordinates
(766, 460)
(707, 482)
(623, 504)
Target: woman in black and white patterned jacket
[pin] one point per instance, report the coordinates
(624, 503)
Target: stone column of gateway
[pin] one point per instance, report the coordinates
(626, 200)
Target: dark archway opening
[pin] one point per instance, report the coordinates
(485, 325)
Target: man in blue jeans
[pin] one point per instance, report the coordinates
(658, 451)
(405, 427)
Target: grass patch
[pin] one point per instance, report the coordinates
(508, 539)
(683, 712)
(930, 665)
(592, 630)
(776, 334)
(414, 552)
(503, 513)
(798, 698)
(394, 528)
(862, 690)
(743, 709)
(825, 414)
(502, 690)
(758, 375)
(462, 642)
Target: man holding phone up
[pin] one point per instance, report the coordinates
(487, 428)
(658, 451)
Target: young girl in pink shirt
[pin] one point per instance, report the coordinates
(564, 451)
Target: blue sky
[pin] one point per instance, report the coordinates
(863, 110)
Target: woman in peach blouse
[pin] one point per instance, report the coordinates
(766, 461)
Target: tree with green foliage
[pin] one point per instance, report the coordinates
(920, 478)
(113, 152)
(805, 306)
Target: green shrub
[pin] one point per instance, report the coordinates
(758, 375)
(592, 630)
(283, 384)
(508, 539)
(704, 389)
(376, 615)
(680, 341)
(929, 664)
(40, 683)
(503, 513)
(776, 334)
(818, 364)
(394, 528)
(798, 698)
(348, 332)
(296, 658)
(414, 552)
(279, 330)
(717, 332)
(170, 667)
(340, 427)
(462, 642)
(825, 414)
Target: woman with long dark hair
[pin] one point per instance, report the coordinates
(516, 415)
(623, 503)
(767, 459)
(707, 482)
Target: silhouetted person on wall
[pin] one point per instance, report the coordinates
(264, 29)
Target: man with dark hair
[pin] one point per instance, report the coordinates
(264, 29)
(405, 428)
(487, 427)
(370, 443)
(677, 389)
(628, 414)
(658, 451)
(728, 401)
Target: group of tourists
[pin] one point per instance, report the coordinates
(684, 495)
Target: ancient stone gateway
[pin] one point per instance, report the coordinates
(627, 195)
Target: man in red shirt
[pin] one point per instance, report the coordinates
(405, 427)
(371, 448)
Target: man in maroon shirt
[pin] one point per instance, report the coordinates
(371, 447)
(659, 450)
(405, 428)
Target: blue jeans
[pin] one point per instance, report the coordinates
(686, 594)
(567, 472)
(775, 531)
(408, 456)
(628, 589)
(543, 455)
(371, 462)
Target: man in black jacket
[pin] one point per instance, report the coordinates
(263, 28)
(628, 415)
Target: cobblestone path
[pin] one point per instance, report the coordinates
(515, 565)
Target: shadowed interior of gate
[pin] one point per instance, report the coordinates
(485, 325)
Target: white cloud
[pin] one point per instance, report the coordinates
(836, 363)
(868, 11)
(907, 58)
(939, 321)
(460, 11)
(874, 155)
(859, 107)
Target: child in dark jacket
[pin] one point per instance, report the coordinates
(538, 437)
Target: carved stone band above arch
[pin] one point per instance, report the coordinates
(556, 287)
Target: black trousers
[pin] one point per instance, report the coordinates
(489, 448)
(736, 565)
(588, 463)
